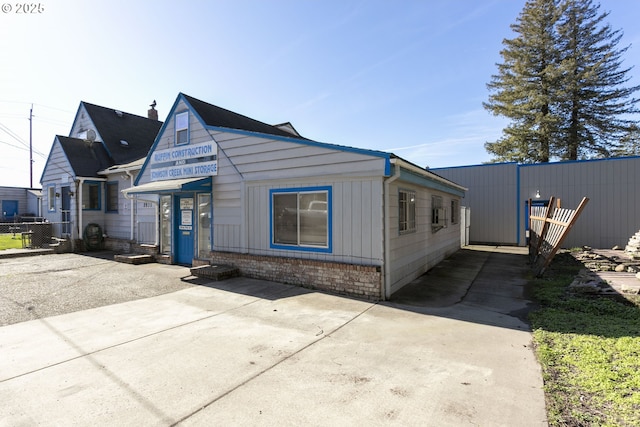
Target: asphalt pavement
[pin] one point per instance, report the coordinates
(163, 348)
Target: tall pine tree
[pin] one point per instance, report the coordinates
(560, 84)
(596, 105)
(524, 90)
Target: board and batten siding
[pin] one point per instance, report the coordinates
(414, 253)
(117, 224)
(492, 198)
(356, 217)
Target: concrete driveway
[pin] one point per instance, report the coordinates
(248, 352)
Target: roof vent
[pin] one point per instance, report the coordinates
(118, 113)
(124, 143)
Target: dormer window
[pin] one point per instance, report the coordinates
(182, 128)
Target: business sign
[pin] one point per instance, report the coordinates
(190, 161)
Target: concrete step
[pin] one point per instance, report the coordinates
(134, 259)
(215, 272)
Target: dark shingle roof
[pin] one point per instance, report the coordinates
(86, 158)
(219, 117)
(114, 126)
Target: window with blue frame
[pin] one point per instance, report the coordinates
(301, 218)
(91, 196)
(182, 128)
(112, 196)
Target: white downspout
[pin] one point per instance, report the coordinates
(79, 207)
(387, 230)
(131, 206)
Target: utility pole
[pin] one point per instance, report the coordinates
(31, 147)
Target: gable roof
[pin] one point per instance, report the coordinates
(219, 117)
(86, 158)
(115, 126)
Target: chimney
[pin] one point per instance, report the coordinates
(152, 113)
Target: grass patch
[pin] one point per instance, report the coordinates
(589, 350)
(8, 241)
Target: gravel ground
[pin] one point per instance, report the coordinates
(49, 285)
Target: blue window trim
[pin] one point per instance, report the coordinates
(99, 185)
(175, 128)
(49, 204)
(106, 200)
(326, 189)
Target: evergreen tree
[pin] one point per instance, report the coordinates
(561, 85)
(629, 144)
(594, 99)
(524, 90)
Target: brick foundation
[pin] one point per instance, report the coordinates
(362, 281)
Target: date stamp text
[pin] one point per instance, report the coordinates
(22, 8)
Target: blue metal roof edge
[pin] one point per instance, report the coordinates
(564, 162)
(539, 164)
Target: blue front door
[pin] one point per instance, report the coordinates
(184, 229)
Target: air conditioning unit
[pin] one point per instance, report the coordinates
(439, 219)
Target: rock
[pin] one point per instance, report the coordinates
(620, 268)
(638, 275)
(616, 248)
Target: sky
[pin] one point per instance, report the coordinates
(403, 76)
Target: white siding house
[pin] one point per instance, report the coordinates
(86, 171)
(283, 207)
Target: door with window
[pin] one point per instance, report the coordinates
(184, 229)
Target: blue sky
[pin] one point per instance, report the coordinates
(402, 76)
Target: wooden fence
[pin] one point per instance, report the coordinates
(548, 226)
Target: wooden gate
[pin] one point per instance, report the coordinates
(548, 226)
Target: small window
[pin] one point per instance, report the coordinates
(301, 219)
(51, 197)
(407, 211)
(182, 128)
(455, 211)
(438, 216)
(112, 196)
(91, 196)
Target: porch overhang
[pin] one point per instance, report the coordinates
(171, 186)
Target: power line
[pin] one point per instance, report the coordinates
(39, 153)
(13, 135)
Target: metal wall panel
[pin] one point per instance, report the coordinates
(492, 198)
(498, 194)
(611, 217)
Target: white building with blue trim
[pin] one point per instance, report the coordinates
(278, 206)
